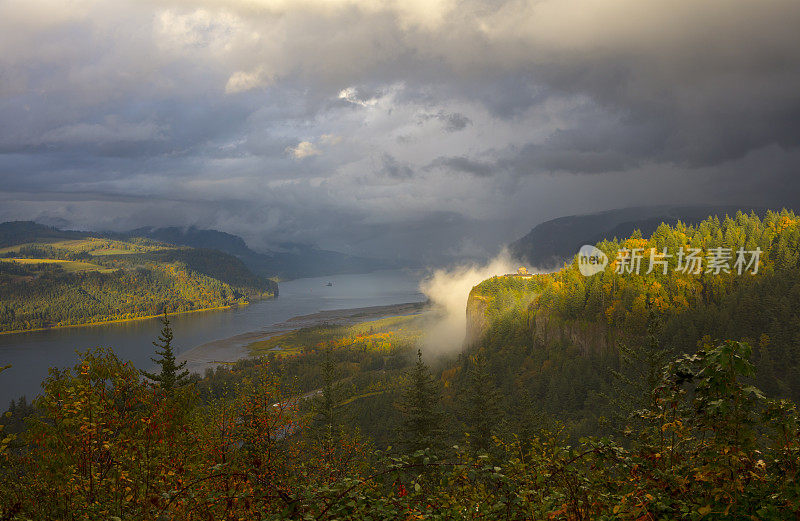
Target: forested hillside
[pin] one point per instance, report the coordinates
(566, 341)
(50, 278)
(252, 442)
(665, 394)
(551, 243)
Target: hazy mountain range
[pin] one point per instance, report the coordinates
(292, 261)
(552, 242)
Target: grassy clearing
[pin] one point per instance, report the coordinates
(94, 246)
(68, 266)
(285, 344)
(370, 335)
(403, 323)
(99, 247)
(16, 247)
(13, 249)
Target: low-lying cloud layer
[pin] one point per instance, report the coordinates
(340, 121)
(448, 291)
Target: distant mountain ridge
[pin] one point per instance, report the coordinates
(18, 232)
(56, 278)
(298, 261)
(197, 238)
(551, 243)
(213, 262)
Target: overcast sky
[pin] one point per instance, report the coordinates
(404, 127)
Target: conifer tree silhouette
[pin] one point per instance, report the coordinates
(172, 375)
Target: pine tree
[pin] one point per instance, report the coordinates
(633, 384)
(421, 409)
(481, 404)
(325, 407)
(172, 375)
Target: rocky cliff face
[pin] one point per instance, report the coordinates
(477, 322)
(585, 335)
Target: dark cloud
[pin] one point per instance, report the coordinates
(463, 164)
(508, 95)
(452, 122)
(534, 159)
(393, 168)
(182, 113)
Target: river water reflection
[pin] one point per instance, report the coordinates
(31, 354)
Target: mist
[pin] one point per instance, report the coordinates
(448, 290)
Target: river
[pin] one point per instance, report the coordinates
(32, 354)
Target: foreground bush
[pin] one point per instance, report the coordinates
(105, 445)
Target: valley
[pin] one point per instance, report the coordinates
(49, 282)
(585, 375)
(371, 260)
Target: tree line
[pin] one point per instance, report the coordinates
(102, 442)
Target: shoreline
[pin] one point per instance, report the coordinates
(229, 350)
(132, 319)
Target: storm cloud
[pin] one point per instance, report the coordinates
(342, 122)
